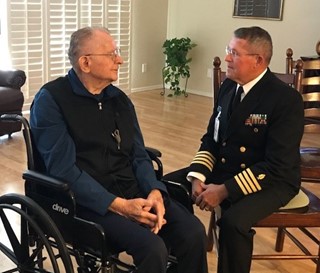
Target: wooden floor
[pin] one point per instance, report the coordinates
(174, 126)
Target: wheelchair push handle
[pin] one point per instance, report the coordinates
(14, 118)
(26, 134)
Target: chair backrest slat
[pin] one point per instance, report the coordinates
(312, 128)
(311, 81)
(312, 112)
(311, 65)
(312, 96)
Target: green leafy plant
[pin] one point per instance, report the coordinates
(177, 63)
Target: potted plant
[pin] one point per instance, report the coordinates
(177, 64)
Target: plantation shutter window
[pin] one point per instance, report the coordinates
(39, 33)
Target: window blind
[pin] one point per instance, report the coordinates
(39, 33)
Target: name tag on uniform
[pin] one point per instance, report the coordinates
(216, 125)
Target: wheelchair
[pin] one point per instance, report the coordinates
(49, 221)
(24, 247)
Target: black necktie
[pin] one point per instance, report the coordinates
(237, 98)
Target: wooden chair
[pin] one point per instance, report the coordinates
(303, 211)
(310, 73)
(290, 63)
(218, 76)
(310, 81)
(310, 156)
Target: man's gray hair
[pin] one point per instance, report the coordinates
(258, 38)
(77, 40)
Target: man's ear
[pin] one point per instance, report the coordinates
(260, 60)
(84, 64)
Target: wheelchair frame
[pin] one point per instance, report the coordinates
(57, 202)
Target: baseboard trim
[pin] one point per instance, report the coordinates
(146, 88)
(190, 91)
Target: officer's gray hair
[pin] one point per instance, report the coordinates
(258, 38)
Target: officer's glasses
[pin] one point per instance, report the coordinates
(234, 53)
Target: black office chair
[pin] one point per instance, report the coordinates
(91, 253)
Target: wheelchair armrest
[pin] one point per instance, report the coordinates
(178, 186)
(154, 155)
(180, 193)
(153, 152)
(56, 198)
(45, 180)
(52, 194)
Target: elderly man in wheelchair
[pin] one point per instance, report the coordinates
(85, 132)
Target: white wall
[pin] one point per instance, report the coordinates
(149, 30)
(210, 24)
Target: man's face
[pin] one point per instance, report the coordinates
(241, 61)
(103, 58)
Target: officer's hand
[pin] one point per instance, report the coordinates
(211, 196)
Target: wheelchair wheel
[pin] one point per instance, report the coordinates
(27, 246)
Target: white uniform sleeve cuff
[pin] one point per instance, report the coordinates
(192, 175)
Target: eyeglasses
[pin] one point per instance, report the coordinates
(235, 54)
(113, 55)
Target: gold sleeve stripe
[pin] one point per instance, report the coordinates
(204, 158)
(244, 182)
(255, 181)
(205, 163)
(251, 184)
(206, 154)
(240, 185)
